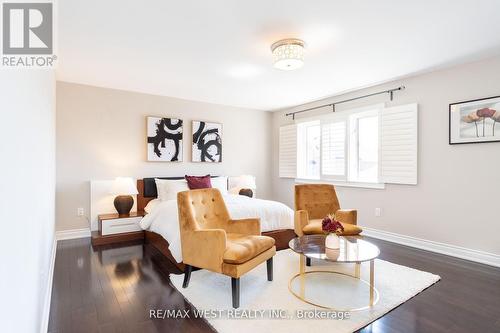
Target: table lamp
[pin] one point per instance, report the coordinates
(123, 188)
(244, 185)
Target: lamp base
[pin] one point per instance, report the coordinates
(123, 204)
(247, 192)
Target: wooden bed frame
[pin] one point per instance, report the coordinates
(282, 237)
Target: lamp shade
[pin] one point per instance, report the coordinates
(123, 186)
(245, 181)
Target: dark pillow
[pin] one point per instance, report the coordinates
(197, 182)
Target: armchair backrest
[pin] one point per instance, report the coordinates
(202, 209)
(318, 200)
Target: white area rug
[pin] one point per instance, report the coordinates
(210, 291)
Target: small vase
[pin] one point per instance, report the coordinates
(332, 254)
(332, 241)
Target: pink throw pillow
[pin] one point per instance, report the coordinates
(197, 182)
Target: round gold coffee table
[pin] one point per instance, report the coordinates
(352, 250)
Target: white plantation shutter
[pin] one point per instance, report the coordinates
(333, 149)
(288, 151)
(398, 144)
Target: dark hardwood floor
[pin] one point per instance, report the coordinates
(111, 289)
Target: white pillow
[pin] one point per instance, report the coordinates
(151, 205)
(167, 189)
(220, 183)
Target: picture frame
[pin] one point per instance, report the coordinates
(207, 141)
(164, 137)
(474, 121)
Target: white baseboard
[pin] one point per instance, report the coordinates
(48, 293)
(72, 234)
(451, 250)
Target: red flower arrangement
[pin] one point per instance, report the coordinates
(330, 225)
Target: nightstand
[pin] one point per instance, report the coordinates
(114, 228)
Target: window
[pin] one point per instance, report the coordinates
(340, 147)
(308, 150)
(364, 147)
(333, 157)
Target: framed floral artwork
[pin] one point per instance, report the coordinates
(475, 121)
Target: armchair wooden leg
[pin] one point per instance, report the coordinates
(235, 288)
(308, 261)
(187, 275)
(270, 269)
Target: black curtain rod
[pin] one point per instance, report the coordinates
(390, 92)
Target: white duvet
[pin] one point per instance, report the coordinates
(163, 219)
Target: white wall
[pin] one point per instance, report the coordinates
(27, 194)
(101, 134)
(456, 199)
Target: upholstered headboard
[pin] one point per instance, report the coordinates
(147, 190)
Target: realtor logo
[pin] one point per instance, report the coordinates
(28, 34)
(27, 28)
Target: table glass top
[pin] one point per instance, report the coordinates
(352, 249)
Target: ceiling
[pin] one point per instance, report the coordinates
(219, 51)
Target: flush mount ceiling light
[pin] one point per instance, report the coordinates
(288, 54)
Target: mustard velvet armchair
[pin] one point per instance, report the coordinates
(210, 239)
(313, 202)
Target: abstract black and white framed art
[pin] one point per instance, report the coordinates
(164, 139)
(207, 141)
(475, 121)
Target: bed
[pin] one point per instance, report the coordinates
(161, 224)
